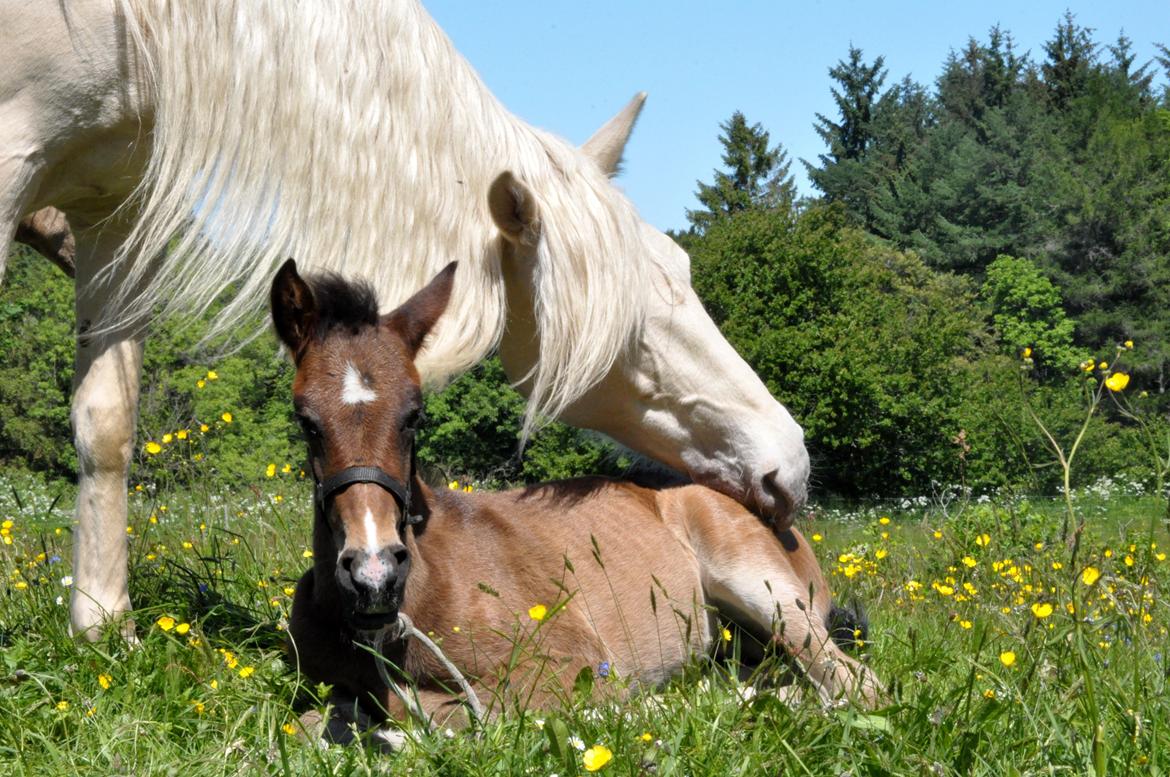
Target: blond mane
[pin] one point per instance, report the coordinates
(352, 136)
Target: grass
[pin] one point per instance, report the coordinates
(950, 588)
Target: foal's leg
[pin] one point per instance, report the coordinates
(105, 410)
(763, 579)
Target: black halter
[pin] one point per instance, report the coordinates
(324, 490)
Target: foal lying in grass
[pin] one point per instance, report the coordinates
(524, 588)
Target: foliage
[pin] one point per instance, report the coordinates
(36, 371)
(1065, 160)
(1027, 313)
(861, 342)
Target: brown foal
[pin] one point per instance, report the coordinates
(631, 578)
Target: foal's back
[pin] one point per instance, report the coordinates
(638, 571)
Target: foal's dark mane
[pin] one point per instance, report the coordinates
(342, 304)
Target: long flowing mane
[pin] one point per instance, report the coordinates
(352, 136)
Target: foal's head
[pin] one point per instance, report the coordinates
(357, 397)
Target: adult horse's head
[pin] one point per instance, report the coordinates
(672, 388)
(357, 396)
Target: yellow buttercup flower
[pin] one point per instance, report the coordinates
(166, 623)
(166, 438)
(227, 418)
(153, 448)
(182, 434)
(1090, 575)
(199, 383)
(104, 680)
(1117, 381)
(1042, 610)
(726, 634)
(1129, 345)
(1026, 353)
(289, 729)
(1007, 658)
(537, 612)
(596, 757)
(270, 471)
(817, 538)
(247, 671)
(182, 628)
(212, 375)
(203, 428)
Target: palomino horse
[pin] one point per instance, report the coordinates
(193, 143)
(635, 574)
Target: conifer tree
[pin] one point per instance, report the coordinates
(842, 176)
(757, 176)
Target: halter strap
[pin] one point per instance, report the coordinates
(338, 481)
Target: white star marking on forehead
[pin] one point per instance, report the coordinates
(354, 389)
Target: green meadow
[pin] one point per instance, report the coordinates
(1002, 652)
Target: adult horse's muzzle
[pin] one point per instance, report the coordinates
(372, 585)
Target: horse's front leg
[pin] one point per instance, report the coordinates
(105, 411)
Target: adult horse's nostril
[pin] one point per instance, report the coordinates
(783, 505)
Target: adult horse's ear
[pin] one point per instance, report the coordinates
(415, 318)
(294, 311)
(514, 209)
(608, 144)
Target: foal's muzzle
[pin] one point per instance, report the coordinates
(372, 584)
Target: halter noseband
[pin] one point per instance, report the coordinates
(324, 490)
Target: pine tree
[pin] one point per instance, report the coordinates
(758, 176)
(842, 176)
(1070, 58)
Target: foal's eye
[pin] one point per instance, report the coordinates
(309, 427)
(411, 420)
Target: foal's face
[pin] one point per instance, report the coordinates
(358, 400)
(356, 395)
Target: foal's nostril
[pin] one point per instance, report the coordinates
(401, 556)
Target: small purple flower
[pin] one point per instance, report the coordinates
(603, 669)
(203, 588)
(54, 559)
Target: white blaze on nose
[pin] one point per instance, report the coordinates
(354, 390)
(371, 533)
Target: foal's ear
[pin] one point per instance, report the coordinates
(414, 318)
(294, 312)
(514, 209)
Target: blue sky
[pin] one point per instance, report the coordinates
(567, 67)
